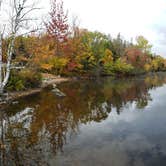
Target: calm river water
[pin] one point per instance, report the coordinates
(107, 122)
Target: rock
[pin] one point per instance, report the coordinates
(15, 102)
(37, 106)
(54, 86)
(58, 92)
(3, 102)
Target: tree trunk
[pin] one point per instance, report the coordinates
(19, 12)
(1, 90)
(4, 79)
(1, 60)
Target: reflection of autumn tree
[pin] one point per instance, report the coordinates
(2, 139)
(59, 116)
(85, 102)
(15, 148)
(155, 80)
(124, 91)
(55, 120)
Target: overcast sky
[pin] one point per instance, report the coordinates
(129, 17)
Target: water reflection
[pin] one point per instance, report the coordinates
(41, 125)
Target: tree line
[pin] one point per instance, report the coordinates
(66, 49)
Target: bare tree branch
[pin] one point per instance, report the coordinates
(19, 12)
(0, 3)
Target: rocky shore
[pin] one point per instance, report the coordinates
(47, 81)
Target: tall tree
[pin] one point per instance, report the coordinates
(118, 46)
(57, 27)
(19, 16)
(143, 44)
(0, 47)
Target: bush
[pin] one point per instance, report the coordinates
(24, 79)
(15, 83)
(55, 65)
(118, 68)
(108, 68)
(58, 65)
(31, 78)
(147, 67)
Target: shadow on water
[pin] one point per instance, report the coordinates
(40, 126)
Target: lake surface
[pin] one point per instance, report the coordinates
(106, 122)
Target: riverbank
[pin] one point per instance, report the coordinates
(16, 95)
(48, 80)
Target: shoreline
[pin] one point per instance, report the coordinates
(48, 80)
(12, 96)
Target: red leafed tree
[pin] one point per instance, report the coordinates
(57, 27)
(136, 57)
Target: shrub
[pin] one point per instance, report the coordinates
(55, 65)
(108, 68)
(119, 67)
(30, 78)
(147, 67)
(15, 83)
(158, 64)
(24, 79)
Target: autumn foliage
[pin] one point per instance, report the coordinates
(136, 57)
(73, 51)
(57, 26)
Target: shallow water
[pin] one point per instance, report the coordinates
(105, 122)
